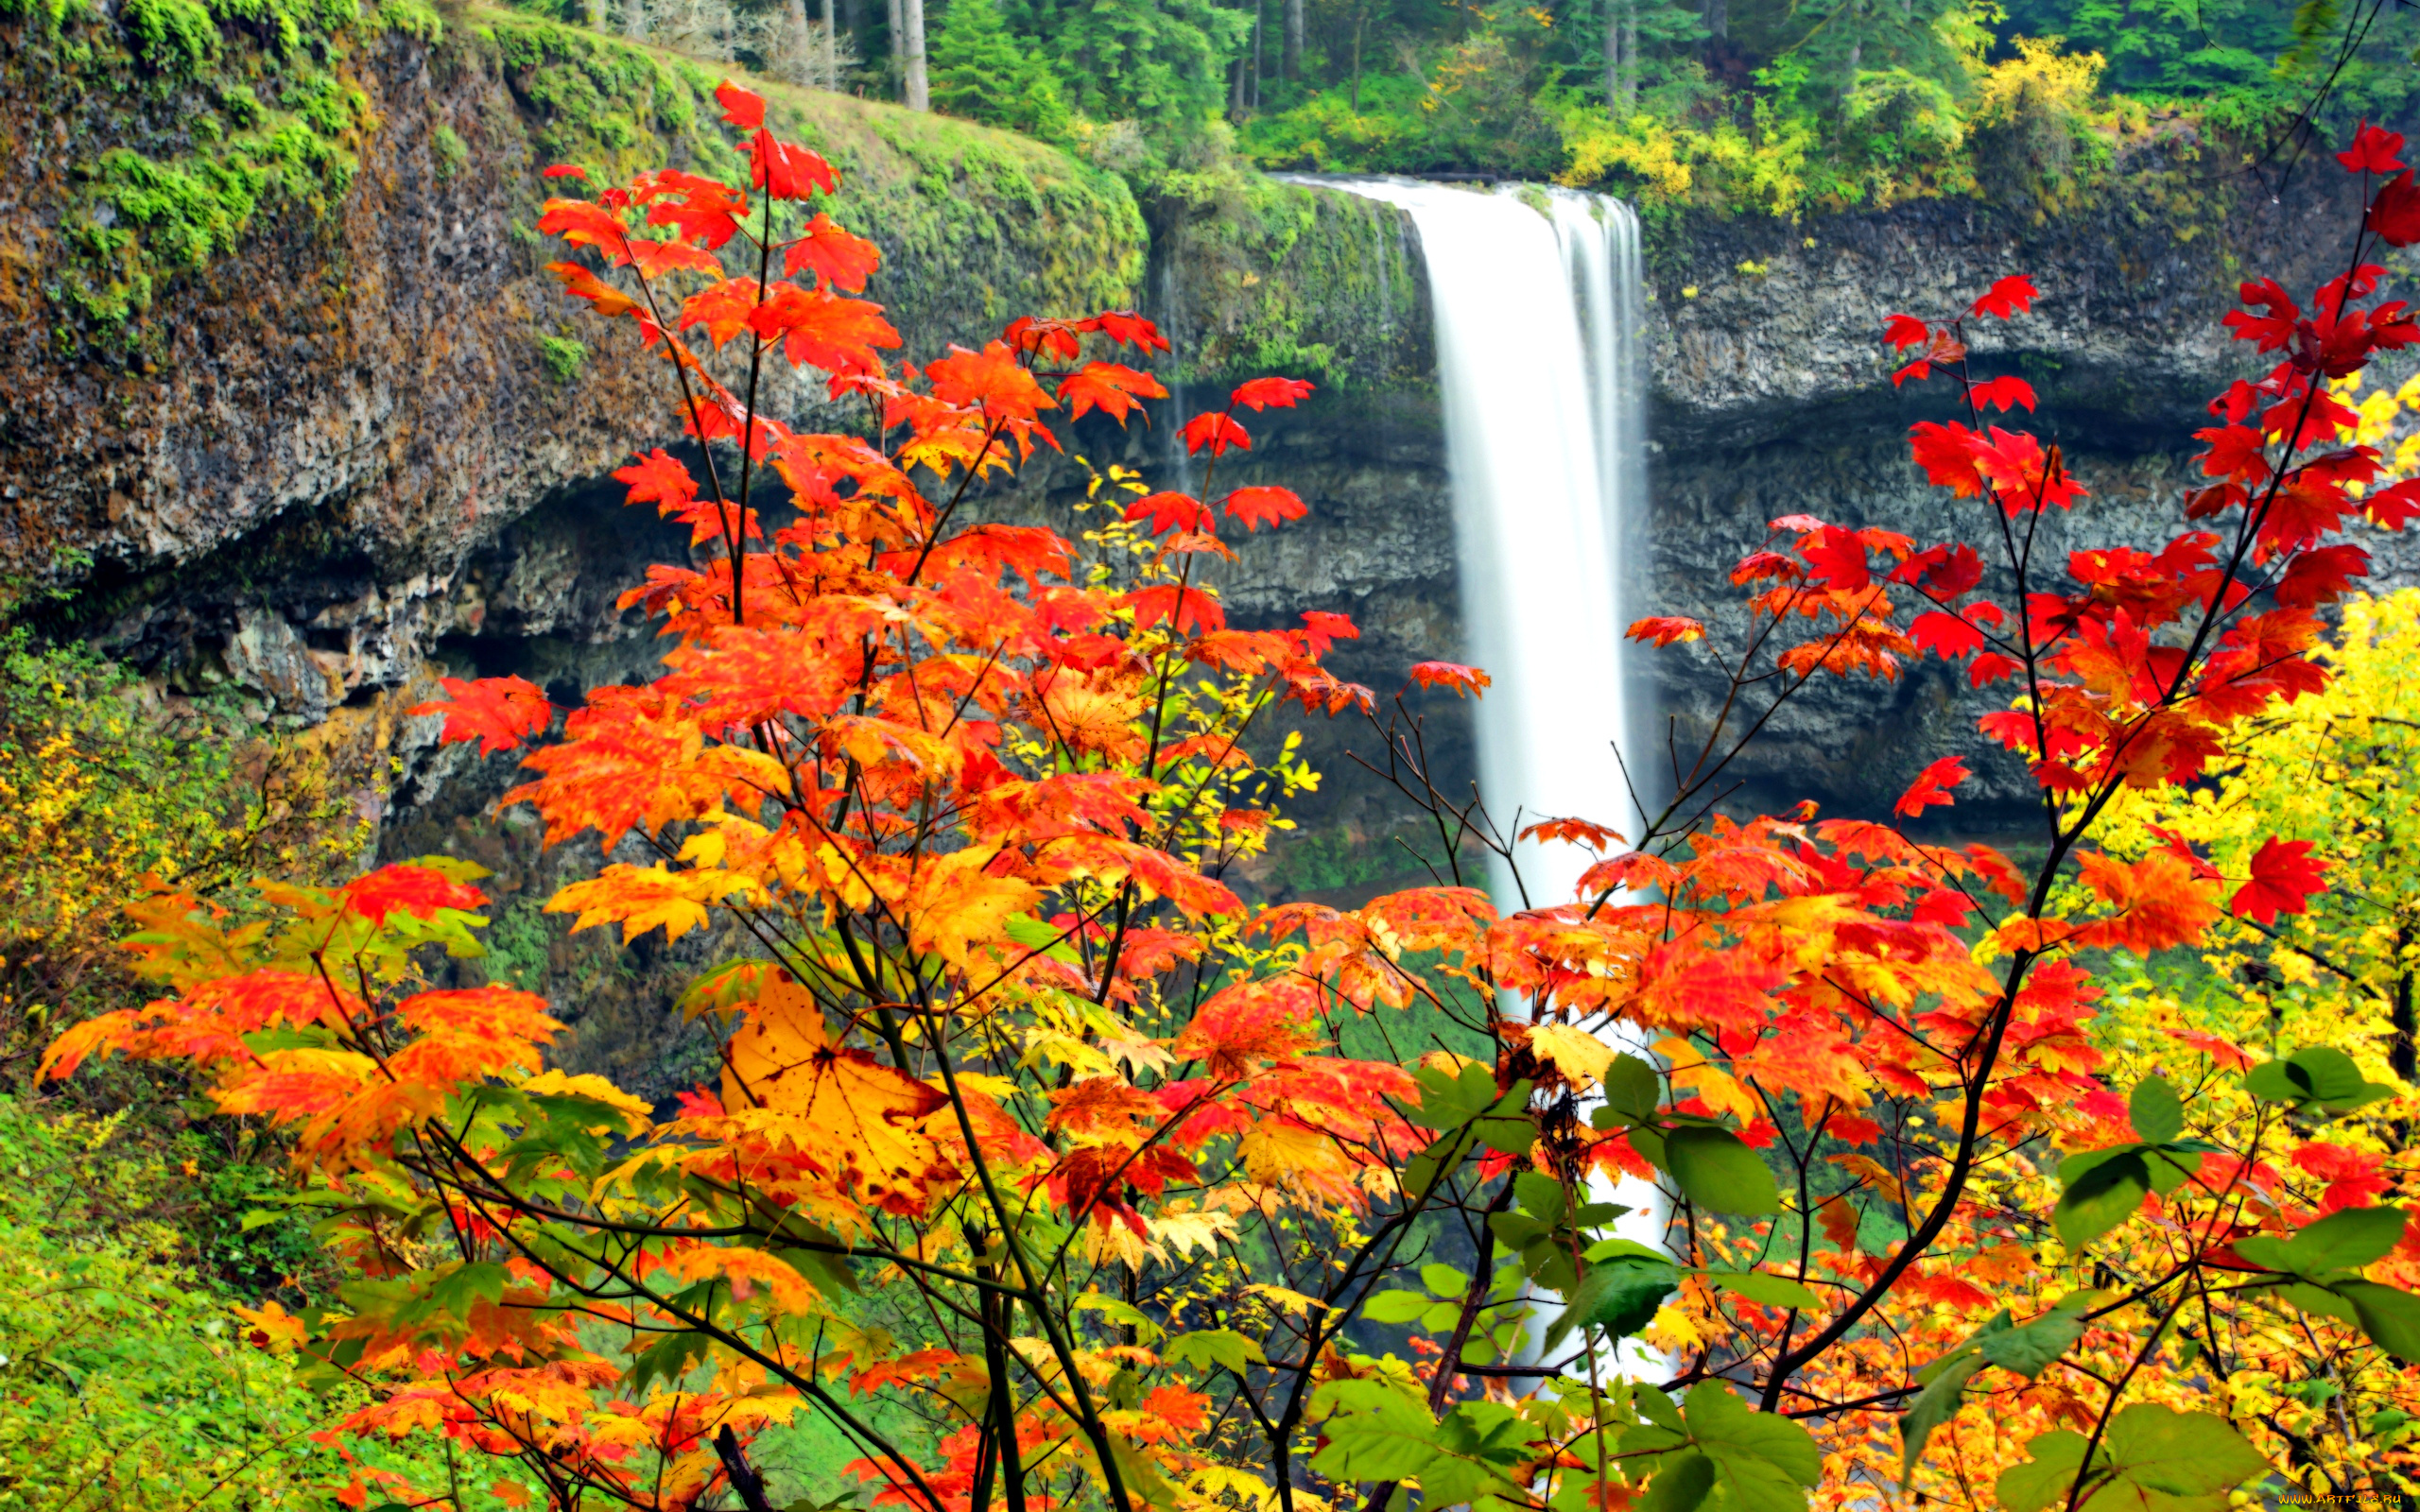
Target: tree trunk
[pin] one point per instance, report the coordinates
(1630, 57)
(802, 43)
(831, 45)
(894, 47)
(1716, 19)
(635, 19)
(1293, 39)
(920, 95)
(1613, 62)
(1360, 20)
(1257, 27)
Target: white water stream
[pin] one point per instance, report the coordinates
(1538, 320)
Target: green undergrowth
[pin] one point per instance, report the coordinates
(128, 1378)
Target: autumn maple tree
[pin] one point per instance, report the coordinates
(1037, 1169)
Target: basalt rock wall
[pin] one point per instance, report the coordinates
(1771, 399)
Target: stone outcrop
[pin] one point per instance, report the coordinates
(1771, 399)
(273, 473)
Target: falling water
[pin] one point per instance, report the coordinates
(1538, 317)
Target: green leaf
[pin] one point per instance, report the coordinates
(726, 987)
(1040, 934)
(1444, 1281)
(2390, 1316)
(2157, 1113)
(1541, 1195)
(2104, 1189)
(1657, 1407)
(457, 1291)
(1619, 1295)
(1768, 1289)
(1763, 1462)
(2153, 1459)
(1221, 1347)
(1680, 1485)
(1719, 1173)
(1377, 1434)
(2033, 1484)
(2034, 1348)
(2321, 1076)
(1934, 1405)
(1118, 1310)
(2346, 1240)
(1449, 1100)
(1632, 1088)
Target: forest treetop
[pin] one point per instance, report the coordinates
(1759, 105)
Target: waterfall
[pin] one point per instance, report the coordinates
(1538, 314)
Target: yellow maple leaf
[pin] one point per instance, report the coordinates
(1717, 1089)
(273, 1328)
(867, 1118)
(1578, 1055)
(637, 1117)
(637, 897)
(953, 908)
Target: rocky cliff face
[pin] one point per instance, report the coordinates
(1770, 398)
(267, 456)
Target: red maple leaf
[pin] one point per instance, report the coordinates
(1126, 328)
(840, 259)
(2373, 150)
(2392, 508)
(1263, 504)
(2177, 845)
(1944, 635)
(1905, 331)
(657, 478)
(1214, 432)
(419, 891)
(1666, 630)
(2320, 576)
(2272, 330)
(1109, 387)
(785, 170)
(2008, 298)
(498, 713)
(1837, 559)
(1594, 836)
(1992, 668)
(1322, 627)
(2395, 214)
(1270, 394)
(2355, 1180)
(2284, 876)
(1453, 675)
(1931, 787)
(566, 170)
(744, 109)
(1163, 512)
(2218, 1048)
(993, 378)
(2006, 391)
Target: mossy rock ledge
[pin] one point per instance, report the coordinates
(281, 335)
